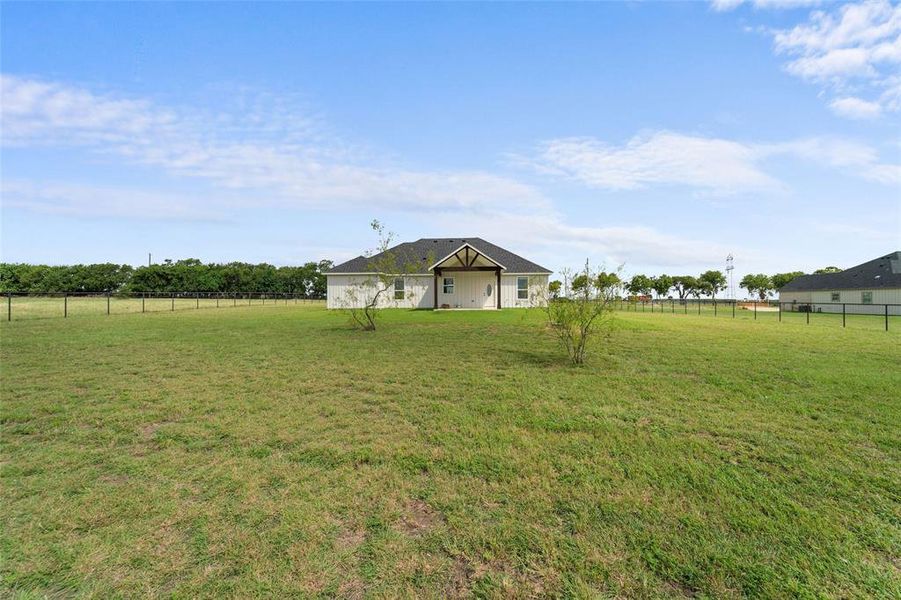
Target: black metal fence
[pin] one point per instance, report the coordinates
(24, 305)
(838, 312)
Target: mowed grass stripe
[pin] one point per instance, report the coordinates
(203, 453)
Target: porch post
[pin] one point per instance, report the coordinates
(497, 289)
(435, 291)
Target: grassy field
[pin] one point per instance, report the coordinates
(275, 451)
(53, 307)
(19, 308)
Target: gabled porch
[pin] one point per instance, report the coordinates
(467, 278)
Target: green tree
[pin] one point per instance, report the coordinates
(711, 282)
(580, 283)
(758, 283)
(661, 284)
(586, 312)
(608, 281)
(640, 285)
(685, 285)
(554, 288)
(827, 270)
(780, 280)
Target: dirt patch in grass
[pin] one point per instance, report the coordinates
(418, 518)
(680, 590)
(115, 479)
(351, 589)
(349, 539)
(503, 578)
(459, 583)
(148, 430)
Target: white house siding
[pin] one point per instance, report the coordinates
(418, 290)
(537, 290)
(822, 300)
(470, 291)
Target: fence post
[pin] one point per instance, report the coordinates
(699, 307)
(196, 299)
(755, 310)
(734, 302)
(107, 303)
(673, 302)
(809, 308)
(780, 312)
(686, 306)
(843, 314)
(65, 304)
(714, 307)
(9, 306)
(142, 302)
(886, 317)
(173, 300)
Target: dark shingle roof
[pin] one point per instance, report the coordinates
(423, 253)
(883, 272)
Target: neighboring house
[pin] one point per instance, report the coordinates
(444, 273)
(877, 283)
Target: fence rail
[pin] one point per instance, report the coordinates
(28, 305)
(774, 309)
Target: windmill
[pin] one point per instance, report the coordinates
(729, 268)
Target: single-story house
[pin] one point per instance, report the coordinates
(876, 282)
(443, 273)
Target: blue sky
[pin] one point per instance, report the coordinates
(656, 136)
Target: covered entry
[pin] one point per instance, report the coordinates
(467, 278)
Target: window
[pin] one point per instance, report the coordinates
(448, 287)
(836, 297)
(866, 297)
(399, 288)
(522, 288)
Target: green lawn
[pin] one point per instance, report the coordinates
(20, 308)
(275, 451)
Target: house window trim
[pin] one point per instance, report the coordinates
(866, 297)
(520, 291)
(402, 290)
(445, 285)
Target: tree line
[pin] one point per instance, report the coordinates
(188, 275)
(682, 287)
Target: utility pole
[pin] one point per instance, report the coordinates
(149, 259)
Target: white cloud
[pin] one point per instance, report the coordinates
(105, 201)
(35, 109)
(658, 158)
(712, 165)
(276, 156)
(549, 235)
(855, 108)
(852, 50)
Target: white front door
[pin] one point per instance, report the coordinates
(481, 289)
(489, 300)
